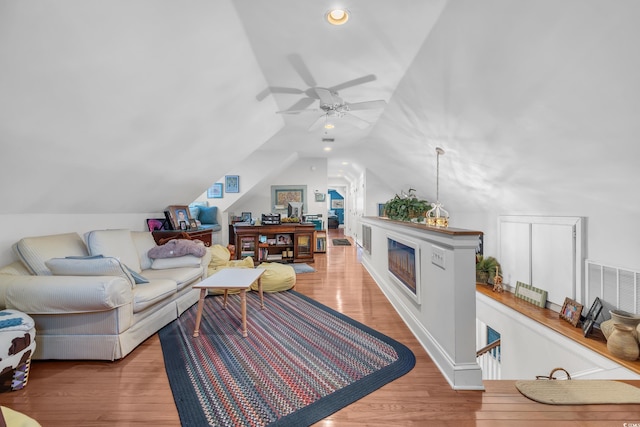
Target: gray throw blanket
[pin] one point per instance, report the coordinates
(178, 247)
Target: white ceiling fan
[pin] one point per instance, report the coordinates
(330, 103)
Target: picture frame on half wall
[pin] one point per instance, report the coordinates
(590, 318)
(571, 311)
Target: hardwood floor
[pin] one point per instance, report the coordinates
(135, 390)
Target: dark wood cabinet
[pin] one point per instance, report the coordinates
(162, 236)
(293, 242)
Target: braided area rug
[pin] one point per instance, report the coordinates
(301, 362)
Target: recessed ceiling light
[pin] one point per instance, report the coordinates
(345, 163)
(329, 126)
(327, 148)
(337, 16)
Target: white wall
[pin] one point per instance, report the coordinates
(19, 226)
(311, 172)
(529, 348)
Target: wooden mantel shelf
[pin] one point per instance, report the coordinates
(549, 318)
(418, 226)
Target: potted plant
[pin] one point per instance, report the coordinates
(486, 268)
(406, 207)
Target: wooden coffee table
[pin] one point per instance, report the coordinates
(230, 278)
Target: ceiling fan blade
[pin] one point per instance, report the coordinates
(354, 82)
(366, 105)
(318, 123)
(313, 110)
(302, 104)
(299, 65)
(326, 98)
(277, 89)
(356, 121)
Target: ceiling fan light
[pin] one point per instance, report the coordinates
(337, 16)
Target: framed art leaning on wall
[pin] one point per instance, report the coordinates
(180, 217)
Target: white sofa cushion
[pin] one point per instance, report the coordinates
(182, 276)
(176, 262)
(102, 266)
(146, 295)
(114, 243)
(35, 251)
(144, 242)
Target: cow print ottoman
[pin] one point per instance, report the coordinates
(17, 344)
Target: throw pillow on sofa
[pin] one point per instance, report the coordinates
(90, 266)
(114, 243)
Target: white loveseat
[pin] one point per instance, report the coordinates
(84, 295)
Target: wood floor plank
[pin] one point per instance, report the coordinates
(135, 391)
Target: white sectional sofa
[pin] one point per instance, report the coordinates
(84, 295)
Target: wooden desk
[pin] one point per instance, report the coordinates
(204, 235)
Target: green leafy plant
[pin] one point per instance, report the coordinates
(486, 268)
(406, 207)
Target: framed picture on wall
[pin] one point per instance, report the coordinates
(232, 184)
(337, 204)
(281, 195)
(320, 197)
(215, 191)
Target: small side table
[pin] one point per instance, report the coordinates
(230, 278)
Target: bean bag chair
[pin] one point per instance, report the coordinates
(277, 277)
(14, 418)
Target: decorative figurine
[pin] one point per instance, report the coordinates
(497, 282)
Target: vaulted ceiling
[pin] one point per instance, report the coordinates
(143, 102)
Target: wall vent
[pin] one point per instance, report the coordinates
(618, 288)
(328, 139)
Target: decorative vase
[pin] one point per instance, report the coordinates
(482, 277)
(622, 343)
(626, 318)
(607, 327)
